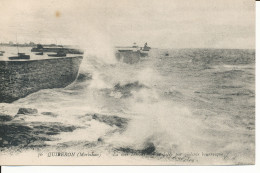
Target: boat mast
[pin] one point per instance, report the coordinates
(17, 44)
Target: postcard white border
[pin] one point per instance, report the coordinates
(157, 169)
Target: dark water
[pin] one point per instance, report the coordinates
(192, 101)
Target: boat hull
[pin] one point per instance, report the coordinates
(129, 57)
(19, 57)
(21, 78)
(64, 50)
(41, 53)
(56, 55)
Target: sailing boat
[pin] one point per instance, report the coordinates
(146, 47)
(39, 53)
(20, 55)
(2, 52)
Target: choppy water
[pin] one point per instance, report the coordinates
(163, 108)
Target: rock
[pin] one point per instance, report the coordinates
(100, 140)
(111, 120)
(148, 149)
(126, 90)
(14, 134)
(4, 117)
(26, 111)
(49, 114)
(27, 135)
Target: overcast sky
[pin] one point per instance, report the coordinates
(161, 23)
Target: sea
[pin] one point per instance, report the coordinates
(176, 106)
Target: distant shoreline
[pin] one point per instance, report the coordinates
(28, 45)
(116, 47)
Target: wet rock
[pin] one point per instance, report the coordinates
(53, 128)
(111, 120)
(126, 89)
(100, 140)
(49, 114)
(19, 117)
(14, 135)
(5, 117)
(30, 135)
(149, 149)
(26, 111)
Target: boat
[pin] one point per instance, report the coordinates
(58, 54)
(20, 56)
(41, 48)
(125, 50)
(135, 47)
(21, 78)
(143, 54)
(39, 53)
(146, 47)
(1, 51)
(132, 54)
(129, 57)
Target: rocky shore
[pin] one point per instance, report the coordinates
(18, 132)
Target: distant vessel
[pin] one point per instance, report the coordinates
(132, 54)
(129, 57)
(39, 53)
(58, 54)
(146, 47)
(40, 48)
(20, 56)
(23, 76)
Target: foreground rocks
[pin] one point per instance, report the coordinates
(51, 114)
(110, 120)
(26, 135)
(19, 133)
(5, 117)
(126, 89)
(26, 111)
(148, 149)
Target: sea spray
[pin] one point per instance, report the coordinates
(94, 40)
(170, 127)
(165, 124)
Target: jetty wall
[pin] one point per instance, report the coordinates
(20, 78)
